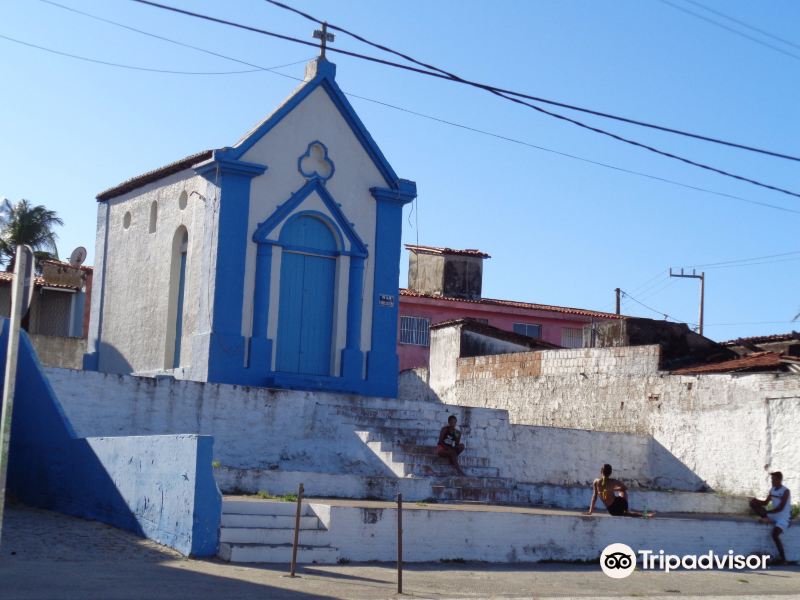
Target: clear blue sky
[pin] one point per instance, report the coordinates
(560, 231)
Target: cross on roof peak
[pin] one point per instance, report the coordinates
(324, 37)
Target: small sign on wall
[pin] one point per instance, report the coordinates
(386, 300)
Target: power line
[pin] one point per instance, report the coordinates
(743, 24)
(650, 308)
(743, 260)
(440, 120)
(492, 90)
(752, 264)
(122, 66)
(177, 43)
(750, 323)
(528, 96)
(658, 290)
(662, 274)
(730, 29)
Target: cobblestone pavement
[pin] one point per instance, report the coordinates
(48, 556)
(32, 534)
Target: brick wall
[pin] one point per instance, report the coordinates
(638, 360)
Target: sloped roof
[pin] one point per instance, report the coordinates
(501, 334)
(764, 339)
(319, 73)
(514, 304)
(449, 251)
(38, 281)
(154, 175)
(758, 361)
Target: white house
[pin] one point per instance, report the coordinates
(274, 262)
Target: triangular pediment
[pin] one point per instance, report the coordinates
(321, 74)
(264, 233)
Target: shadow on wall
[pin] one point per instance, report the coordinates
(160, 487)
(669, 472)
(110, 360)
(661, 468)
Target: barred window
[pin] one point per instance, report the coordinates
(572, 337)
(415, 330)
(530, 329)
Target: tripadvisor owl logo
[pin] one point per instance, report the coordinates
(618, 561)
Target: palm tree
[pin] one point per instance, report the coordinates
(23, 223)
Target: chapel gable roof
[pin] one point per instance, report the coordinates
(319, 73)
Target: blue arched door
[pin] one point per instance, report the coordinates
(305, 314)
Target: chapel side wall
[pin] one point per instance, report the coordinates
(316, 118)
(724, 428)
(136, 287)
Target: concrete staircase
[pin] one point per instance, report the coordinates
(405, 441)
(263, 531)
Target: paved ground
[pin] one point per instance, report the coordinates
(49, 556)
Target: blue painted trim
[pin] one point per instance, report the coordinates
(382, 360)
(226, 352)
(176, 355)
(229, 166)
(324, 76)
(358, 247)
(352, 365)
(325, 157)
(261, 292)
(160, 487)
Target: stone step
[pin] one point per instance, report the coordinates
(445, 469)
(469, 494)
(400, 435)
(268, 521)
(276, 553)
(263, 507)
(428, 414)
(259, 535)
(429, 458)
(475, 482)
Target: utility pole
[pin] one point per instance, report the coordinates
(21, 296)
(619, 293)
(702, 278)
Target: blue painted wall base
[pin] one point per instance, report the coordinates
(160, 487)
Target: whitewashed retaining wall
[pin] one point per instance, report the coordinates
(257, 428)
(363, 534)
(728, 429)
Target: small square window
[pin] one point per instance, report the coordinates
(415, 331)
(532, 330)
(572, 337)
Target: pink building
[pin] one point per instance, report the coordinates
(445, 284)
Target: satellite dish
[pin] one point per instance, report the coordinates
(78, 256)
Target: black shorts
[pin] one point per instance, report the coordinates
(618, 507)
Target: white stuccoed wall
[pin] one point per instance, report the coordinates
(257, 428)
(134, 274)
(728, 429)
(368, 534)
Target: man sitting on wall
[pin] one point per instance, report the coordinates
(779, 513)
(613, 493)
(450, 445)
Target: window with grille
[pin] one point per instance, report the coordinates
(415, 330)
(530, 329)
(572, 337)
